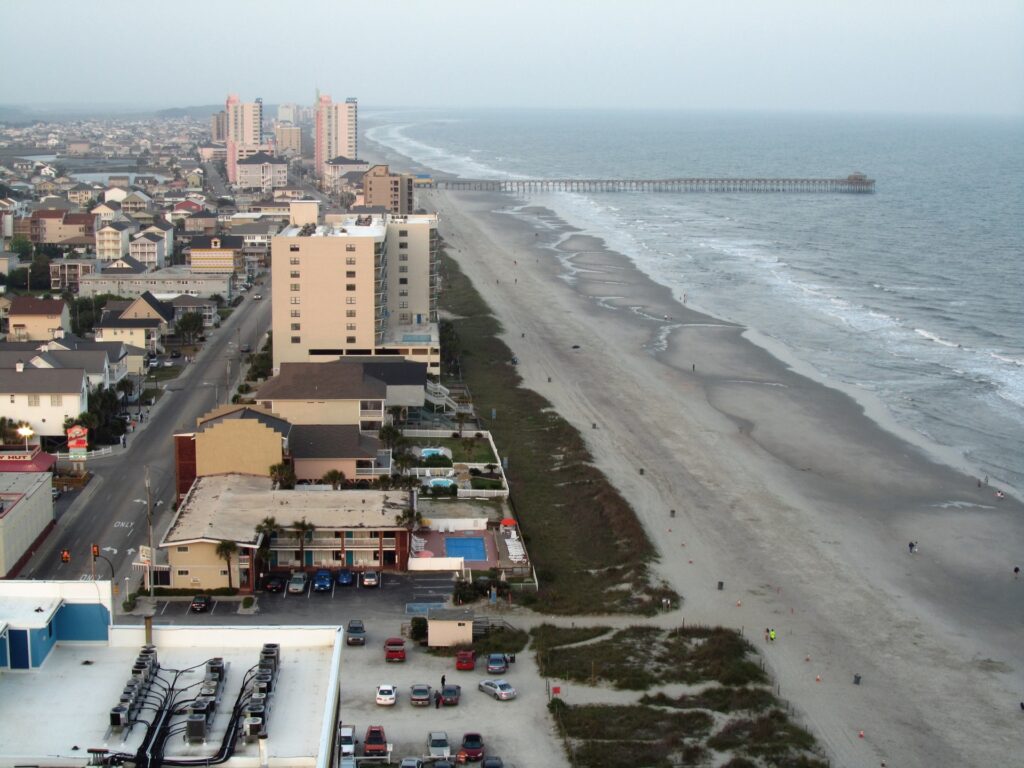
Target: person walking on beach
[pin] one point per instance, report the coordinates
(437, 699)
(912, 547)
(767, 634)
(1016, 571)
(442, 681)
(771, 635)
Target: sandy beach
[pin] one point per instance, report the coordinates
(785, 491)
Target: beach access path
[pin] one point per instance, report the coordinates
(785, 491)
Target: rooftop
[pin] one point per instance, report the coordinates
(228, 508)
(336, 380)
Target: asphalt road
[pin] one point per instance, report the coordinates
(111, 510)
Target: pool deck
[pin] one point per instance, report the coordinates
(497, 552)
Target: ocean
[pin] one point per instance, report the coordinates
(914, 294)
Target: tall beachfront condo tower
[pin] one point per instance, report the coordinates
(244, 131)
(357, 285)
(335, 131)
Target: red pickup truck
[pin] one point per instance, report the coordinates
(465, 660)
(394, 649)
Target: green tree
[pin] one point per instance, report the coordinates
(334, 478)
(303, 527)
(225, 550)
(283, 475)
(409, 518)
(189, 326)
(389, 435)
(126, 387)
(268, 527)
(22, 246)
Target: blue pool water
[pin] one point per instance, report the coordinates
(468, 549)
(442, 481)
(426, 453)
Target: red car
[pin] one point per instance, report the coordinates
(465, 660)
(394, 649)
(472, 748)
(376, 743)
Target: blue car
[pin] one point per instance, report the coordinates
(322, 581)
(346, 578)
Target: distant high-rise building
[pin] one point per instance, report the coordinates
(288, 138)
(287, 113)
(219, 127)
(335, 131)
(244, 131)
(393, 191)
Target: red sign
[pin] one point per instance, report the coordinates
(78, 437)
(555, 690)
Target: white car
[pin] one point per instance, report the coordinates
(387, 695)
(499, 689)
(438, 745)
(411, 762)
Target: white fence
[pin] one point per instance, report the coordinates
(436, 564)
(464, 493)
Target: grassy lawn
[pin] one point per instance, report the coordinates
(163, 374)
(225, 312)
(742, 722)
(467, 449)
(556, 491)
(151, 394)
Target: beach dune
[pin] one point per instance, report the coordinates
(786, 491)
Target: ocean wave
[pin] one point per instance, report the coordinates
(934, 337)
(394, 137)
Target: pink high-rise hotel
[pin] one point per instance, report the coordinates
(335, 131)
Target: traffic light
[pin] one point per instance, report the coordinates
(65, 555)
(95, 551)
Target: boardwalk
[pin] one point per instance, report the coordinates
(854, 183)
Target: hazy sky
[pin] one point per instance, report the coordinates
(946, 56)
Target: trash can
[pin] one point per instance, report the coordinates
(856, 679)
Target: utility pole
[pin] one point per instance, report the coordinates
(227, 383)
(149, 522)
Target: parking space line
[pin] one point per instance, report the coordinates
(166, 603)
(214, 606)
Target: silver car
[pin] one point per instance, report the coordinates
(438, 745)
(499, 689)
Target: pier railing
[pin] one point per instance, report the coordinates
(854, 183)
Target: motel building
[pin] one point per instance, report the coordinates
(356, 529)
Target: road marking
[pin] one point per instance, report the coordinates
(419, 609)
(166, 603)
(213, 607)
(123, 523)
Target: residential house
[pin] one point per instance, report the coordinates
(217, 253)
(43, 397)
(359, 529)
(132, 280)
(113, 240)
(194, 178)
(141, 323)
(66, 274)
(94, 362)
(136, 202)
(262, 172)
(107, 211)
(185, 304)
(32, 319)
(117, 194)
(164, 230)
(149, 249)
(82, 194)
(201, 223)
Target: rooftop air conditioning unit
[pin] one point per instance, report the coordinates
(251, 726)
(195, 729)
(118, 718)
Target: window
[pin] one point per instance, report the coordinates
(403, 281)
(296, 339)
(350, 339)
(350, 274)
(405, 317)
(404, 268)
(296, 287)
(350, 299)
(295, 313)
(293, 248)
(183, 549)
(402, 246)
(350, 313)
(403, 305)
(33, 400)
(350, 261)
(403, 257)
(350, 286)
(295, 327)
(295, 274)
(350, 326)
(295, 300)
(56, 399)
(294, 261)
(350, 247)
(183, 571)
(403, 292)
(223, 572)
(403, 233)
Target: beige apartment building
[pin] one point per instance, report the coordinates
(244, 131)
(392, 191)
(289, 139)
(335, 131)
(360, 285)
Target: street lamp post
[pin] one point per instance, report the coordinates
(148, 501)
(26, 432)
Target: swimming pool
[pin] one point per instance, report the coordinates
(470, 548)
(426, 453)
(442, 482)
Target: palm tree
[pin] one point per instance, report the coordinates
(225, 549)
(303, 527)
(267, 528)
(403, 461)
(283, 475)
(389, 435)
(334, 478)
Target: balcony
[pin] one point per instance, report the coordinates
(286, 543)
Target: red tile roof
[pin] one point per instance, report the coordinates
(29, 305)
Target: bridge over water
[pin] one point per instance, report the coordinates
(856, 183)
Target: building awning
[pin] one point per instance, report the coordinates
(41, 462)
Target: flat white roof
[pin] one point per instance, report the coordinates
(54, 714)
(26, 612)
(228, 507)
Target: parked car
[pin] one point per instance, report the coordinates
(371, 579)
(442, 764)
(245, 349)
(200, 604)
(375, 743)
(257, 296)
(54, 493)
(472, 749)
(411, 762)
(347, 739)
(492, 762)
(387, 695)
(420, 695)
(356, 633)
(437, 744)
(465, 660)
(176, 353)
(168, 364)
(394, 649)
(322, 581)
(450, 695)
(297, 584)
(346, 578)
(499, 689)
(497, 663)
(274, 584)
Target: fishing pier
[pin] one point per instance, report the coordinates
(855, 183)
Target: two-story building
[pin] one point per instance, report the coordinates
(217, 254)
(141, 323)
(66, 274)
(32, 319)
(149, 249)
(113, 240)
(43, 397)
